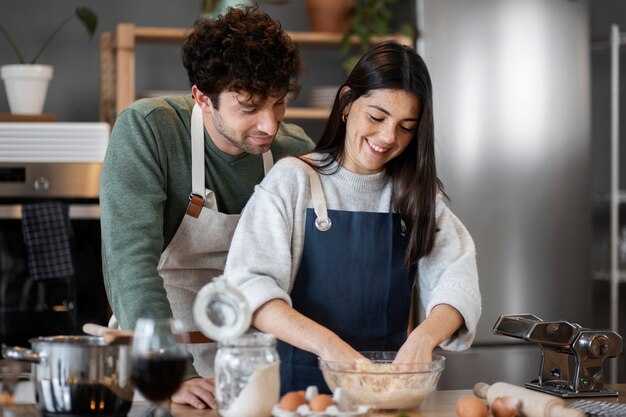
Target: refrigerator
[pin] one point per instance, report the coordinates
(511, 88)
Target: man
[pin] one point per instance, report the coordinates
(179, 170)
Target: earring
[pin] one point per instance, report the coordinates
(344, 117)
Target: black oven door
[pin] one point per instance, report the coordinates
(54, 306)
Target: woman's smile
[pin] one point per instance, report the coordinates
(379, 126)
(374, 147)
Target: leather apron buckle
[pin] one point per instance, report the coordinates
(195, 205)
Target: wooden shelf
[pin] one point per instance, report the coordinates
(300, 113)
(317, 39)
(117, 63)
(304, 113)
(176, 35)
(46, 117)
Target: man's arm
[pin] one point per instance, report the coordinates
(131, 203)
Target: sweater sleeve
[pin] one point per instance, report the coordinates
(267, 245)
(448, 275)
(131, 200)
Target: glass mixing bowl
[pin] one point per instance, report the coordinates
(382, 384)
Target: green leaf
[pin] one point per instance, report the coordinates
(408, 30)
(88, 19)
(350, 62)
(86, 16)
(371, 18)
(16, 48)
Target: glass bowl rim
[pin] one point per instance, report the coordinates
(251, 340)
(436, 365)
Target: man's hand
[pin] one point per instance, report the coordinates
(196, 392)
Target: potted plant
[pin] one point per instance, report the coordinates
(368, 19)
(26, 83)
(330, 15)
(371, 18)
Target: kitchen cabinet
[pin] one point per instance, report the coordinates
(117, 63)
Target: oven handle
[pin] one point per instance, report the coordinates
(76, 211)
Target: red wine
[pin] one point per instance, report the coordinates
(158, 376)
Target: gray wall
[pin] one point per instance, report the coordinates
(74, 91)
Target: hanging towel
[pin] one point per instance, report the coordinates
(46, 230)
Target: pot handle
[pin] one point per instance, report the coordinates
(19, 354)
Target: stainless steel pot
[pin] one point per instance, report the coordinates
(79, 375)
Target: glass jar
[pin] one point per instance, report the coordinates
(247, 380)
(221, 311)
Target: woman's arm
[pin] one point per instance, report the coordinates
(449, 276)
(443, 321)
(279, 319)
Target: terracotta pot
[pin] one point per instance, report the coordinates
(330, 15)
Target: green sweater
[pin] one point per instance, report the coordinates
(144, 192)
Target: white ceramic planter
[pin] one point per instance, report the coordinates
(26, 86)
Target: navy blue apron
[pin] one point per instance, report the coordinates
(352, 281)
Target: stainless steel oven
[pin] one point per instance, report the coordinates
(60, 164)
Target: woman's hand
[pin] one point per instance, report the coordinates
(196, 392)
(414, 352)
(442, 322)
(340, 351)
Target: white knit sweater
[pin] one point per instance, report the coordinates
(266, 250)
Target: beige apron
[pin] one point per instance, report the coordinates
(197, 253)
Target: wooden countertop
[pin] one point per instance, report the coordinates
(438, 404)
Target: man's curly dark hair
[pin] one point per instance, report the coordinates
(244, 50)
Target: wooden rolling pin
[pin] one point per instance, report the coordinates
(112, 336)
(533, 403)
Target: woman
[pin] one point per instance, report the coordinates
(329, 245)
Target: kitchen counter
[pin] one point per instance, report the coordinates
(438, 404)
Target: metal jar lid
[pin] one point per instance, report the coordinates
(221, 311)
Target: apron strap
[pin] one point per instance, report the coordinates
(268, 161)
(322, 222)
(197, 197)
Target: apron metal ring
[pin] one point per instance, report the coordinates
(323, 224)
(196, 197)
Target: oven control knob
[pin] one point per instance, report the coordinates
(42, 184)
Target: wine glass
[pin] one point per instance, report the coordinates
(159, 359)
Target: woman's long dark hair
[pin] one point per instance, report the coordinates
(390, 65)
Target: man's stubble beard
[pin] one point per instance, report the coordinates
(242, 144)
